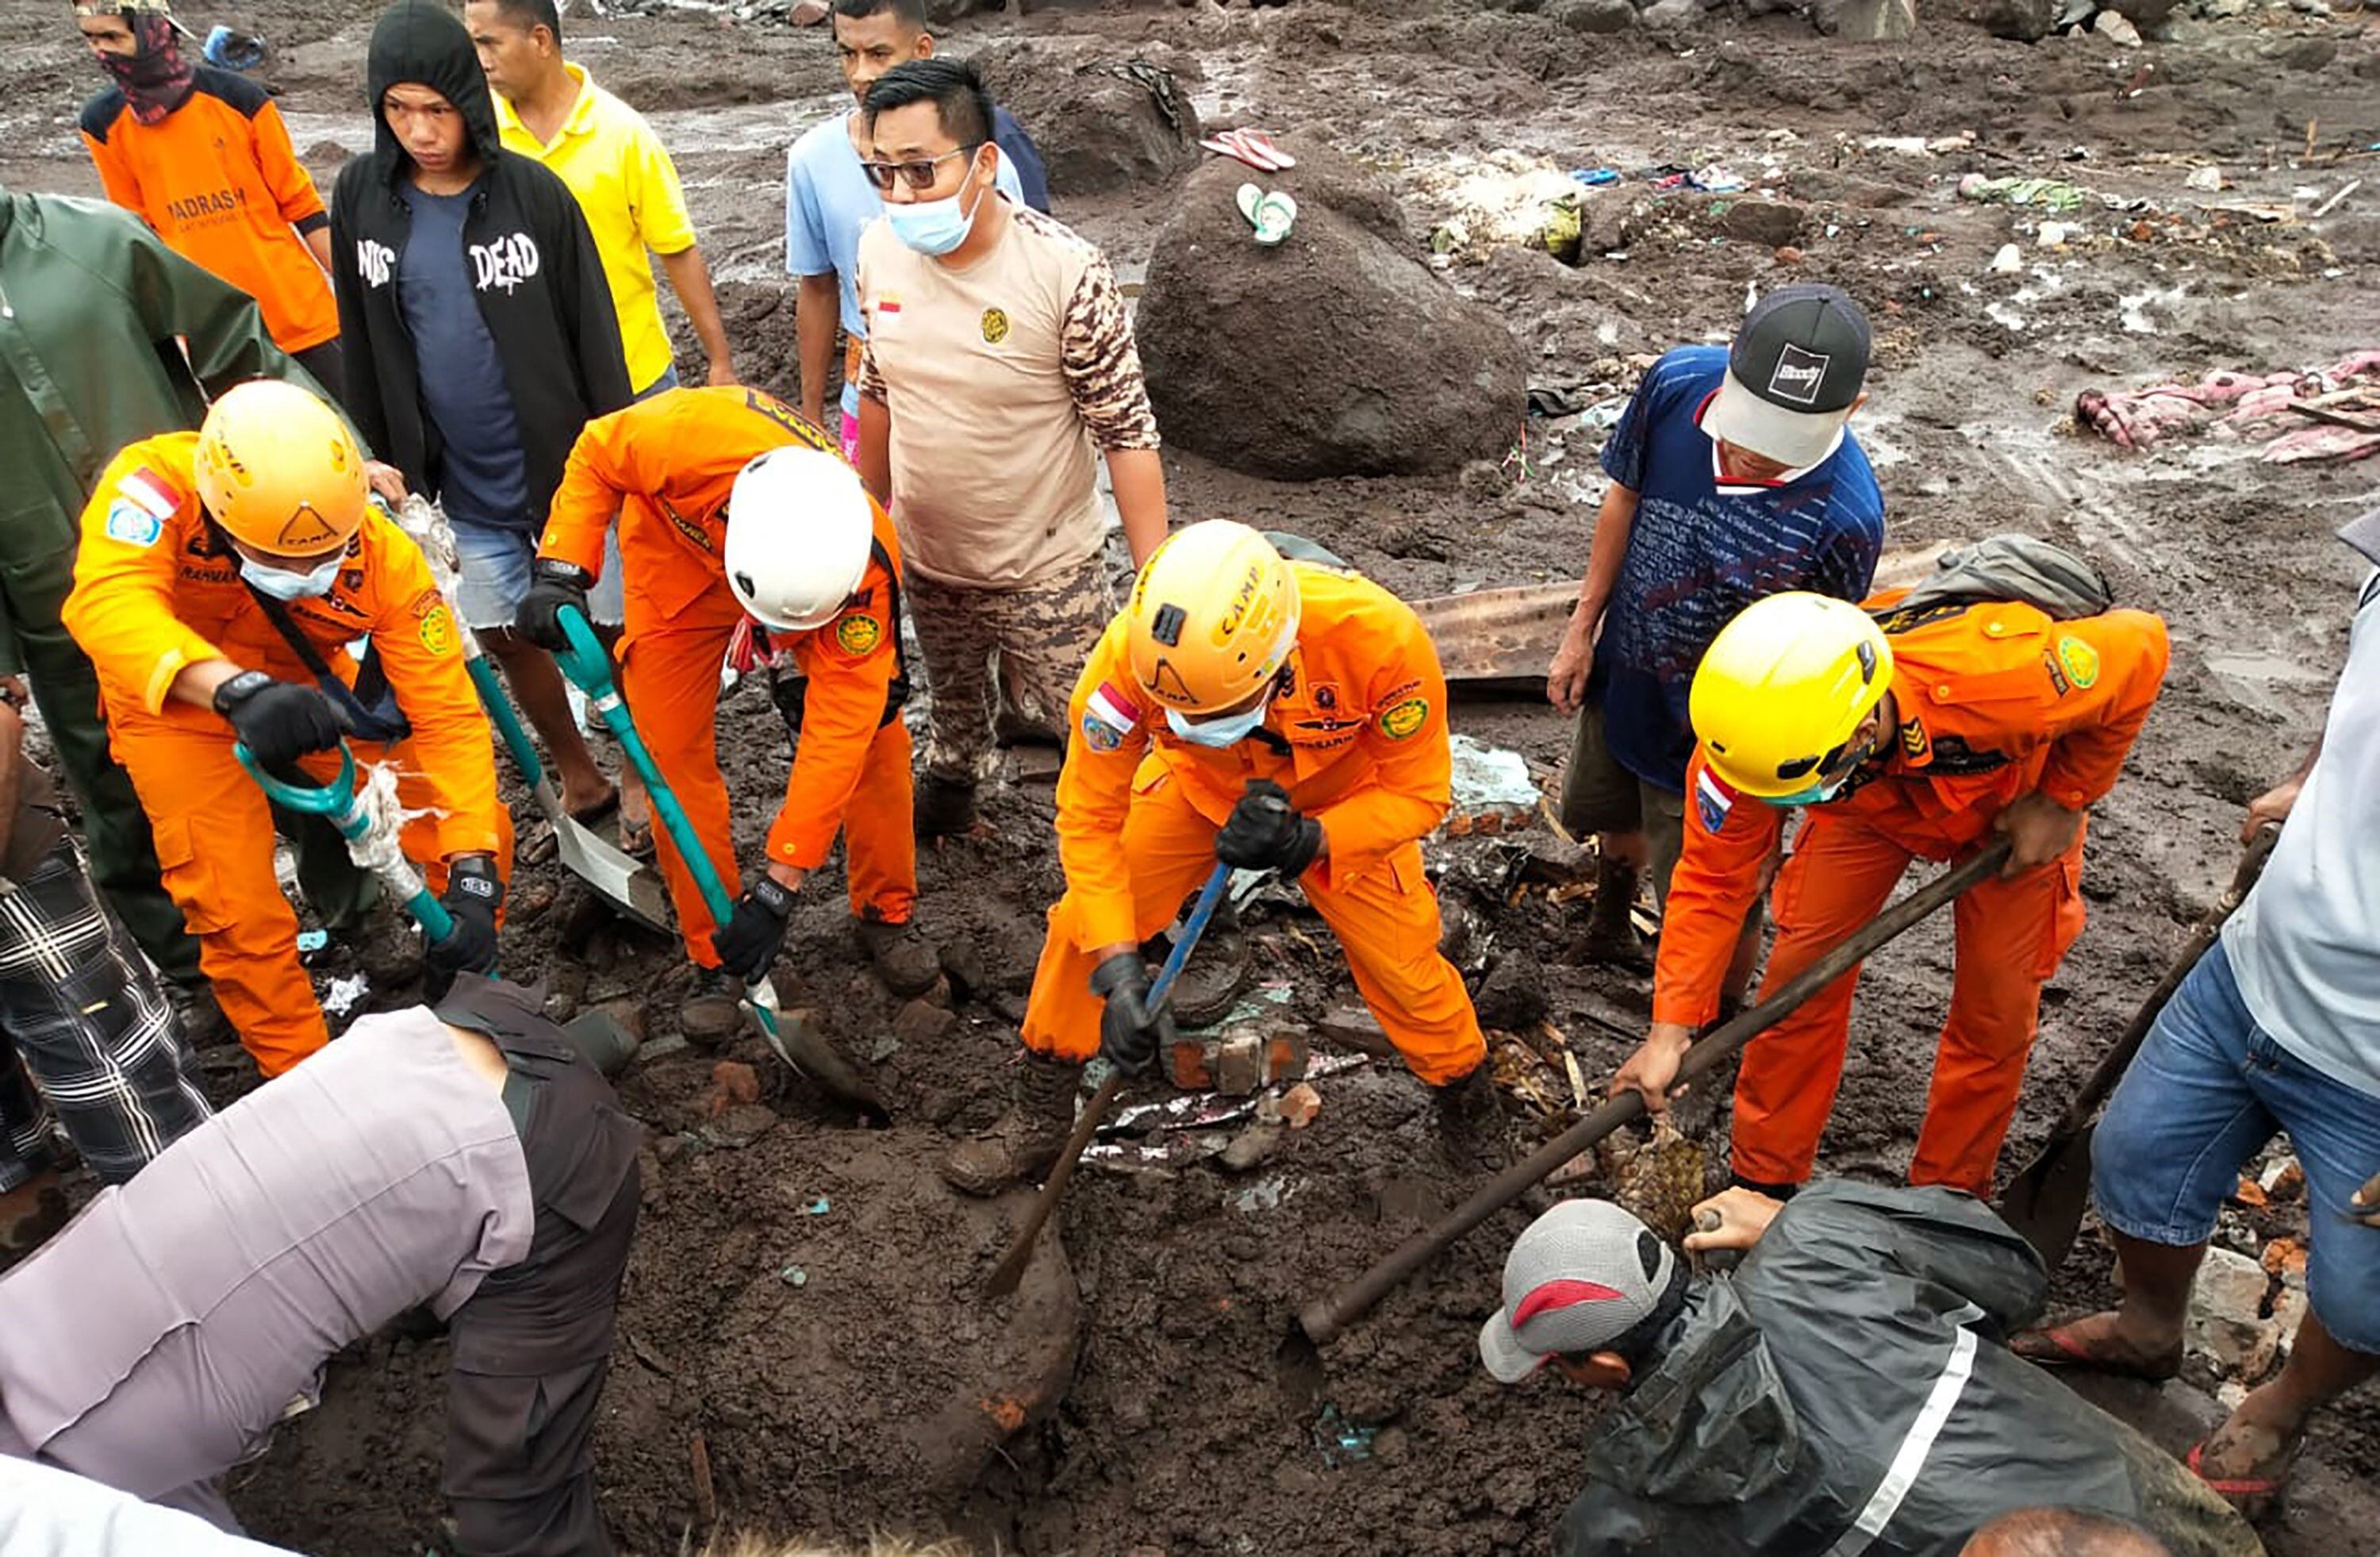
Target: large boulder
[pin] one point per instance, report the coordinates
(1338, 353)
(1101, 118)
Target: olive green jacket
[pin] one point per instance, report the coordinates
(107, 337)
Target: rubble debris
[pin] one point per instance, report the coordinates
(1493, 791)
(2282, 1179)
(2227, 1326)
(1251, 1147)
(2285, 1259)
(2344, 399)
(732, 1083)
(1299, 1105)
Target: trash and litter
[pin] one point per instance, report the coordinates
(2341, 402)
(2050, 194)
(1493, 792)
(1340, 1441)
(1596, 177)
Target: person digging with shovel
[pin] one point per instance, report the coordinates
(1275, 715)
(222, 576)
(813, 559)
(2277, 1028)
(1920, 735)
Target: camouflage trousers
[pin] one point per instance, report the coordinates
(979, 644)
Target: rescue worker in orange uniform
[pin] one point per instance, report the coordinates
(1275, 715)
(811, 557)
(222, 574)
(1916, 734)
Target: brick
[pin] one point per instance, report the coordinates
(1285, 1056)
(1299, 1105)
(1239, 1063)
(1191, 1064)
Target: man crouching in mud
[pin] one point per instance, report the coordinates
(464, 1157)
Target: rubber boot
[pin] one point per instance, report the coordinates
(1471, 1123)
(1612, 935)
(906, 962)
(711, 1012)
(1023, 1142)
(945, 807)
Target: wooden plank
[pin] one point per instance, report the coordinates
(1504, 639)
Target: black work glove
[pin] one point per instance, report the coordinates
(279, 721)
(554, 584)
(1130, 1034)
(474, 893)
(753, 935)
(1265, 832)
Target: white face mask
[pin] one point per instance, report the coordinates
(281, 584)
(1227, 731)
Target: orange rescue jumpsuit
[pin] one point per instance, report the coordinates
(667, 465)
(1355, 732)
(1995, 701)
(156, 590)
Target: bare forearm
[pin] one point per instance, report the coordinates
(1140, 479)
(318, 243)
(690, 279)
(1613, 524)
(12, 770)
(195, 683)
(815, 316)
(876, 449)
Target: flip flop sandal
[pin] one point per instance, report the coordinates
(1227, 144)
(1274, 215)
(2249, 1494)
(1261, 143)
(2054, 1346)
(1248, 198)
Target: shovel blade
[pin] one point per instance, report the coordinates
(628, 883)
(2045, 1201)
(797, 1040)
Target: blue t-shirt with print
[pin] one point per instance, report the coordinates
(481, 476)
(1699, 552)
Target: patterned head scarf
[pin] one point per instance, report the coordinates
(154, 78)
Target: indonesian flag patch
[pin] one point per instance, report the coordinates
(1108, 716)
(1713, 800)
(149, 490)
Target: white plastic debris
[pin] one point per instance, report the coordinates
(2009, 260)
(2209, 178)
(1493, 791)
(345, 993)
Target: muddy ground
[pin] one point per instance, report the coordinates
(1190, 1425)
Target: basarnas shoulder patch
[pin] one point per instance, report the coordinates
(1110, 714)
(1402, 720)
(133, 525)
(438, 630)
(2080, 661)
(1713, 800)
(858, 633)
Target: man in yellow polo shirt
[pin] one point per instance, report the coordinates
(552, 112)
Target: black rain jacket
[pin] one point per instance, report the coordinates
(1848, 1393)
(538, 278)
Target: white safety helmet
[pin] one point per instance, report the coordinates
(799, 525)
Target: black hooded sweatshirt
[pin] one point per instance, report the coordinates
(534, 266)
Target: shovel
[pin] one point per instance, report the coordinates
(794, 1041)
(1329, 1316)
(1020, 1253)
(2045, 1201)
(627, 883)
(374, 848)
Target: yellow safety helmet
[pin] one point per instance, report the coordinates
(1214, 614)
(1783, 688)
(279, 470)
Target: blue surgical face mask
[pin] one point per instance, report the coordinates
(281, 584)
(1229, 730)
(933, 226)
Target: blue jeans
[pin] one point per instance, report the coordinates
(494, 563)
(2207, 1090)
(668, 380)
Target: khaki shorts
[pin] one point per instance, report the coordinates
(1600, 796)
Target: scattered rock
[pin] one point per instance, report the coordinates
(2227, 1324)
(1512, 997)
(1770, 223)
(1299, 1105)
(2286, 1258)
(1787, 255)
(2009, 260)
(1337, 353)
(1596, 15)
(2289, 1311)
(1355, 1026)
(740, 1126)
(1866, 21)
(2248, 1193)
(1250, 1148)
(923, 1022)
(2026, 21)
(1096, 128)
(963, 966)
(1670, 16)
(732, 1083)
(2116, 28)
(2148, 15)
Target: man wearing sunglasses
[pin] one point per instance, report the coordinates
(1913, 734)
(1000, 365)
